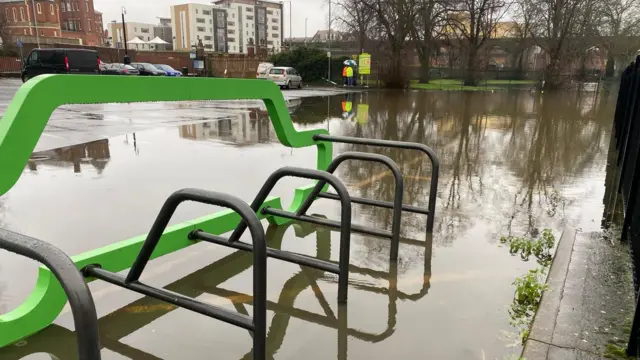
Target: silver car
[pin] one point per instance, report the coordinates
(286, 77)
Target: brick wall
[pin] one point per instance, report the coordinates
(237, 65)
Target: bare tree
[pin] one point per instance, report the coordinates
(425, 34)
(473, 22)
(556, 26)
(355, 17)
(396, 19)
(619, 20)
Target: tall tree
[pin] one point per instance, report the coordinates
(356, 18)
(473, 22)
(620, 19)
(426, 33)
(556, 26)
(396, 19)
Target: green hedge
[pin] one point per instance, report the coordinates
(311, 63)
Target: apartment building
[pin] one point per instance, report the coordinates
(143, 31)
(230, 26)
(54, 19)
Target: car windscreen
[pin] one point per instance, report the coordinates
(149, 67)
(165, 67)
(85, 59)
(276, 71)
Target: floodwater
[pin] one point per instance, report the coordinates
(512, 163)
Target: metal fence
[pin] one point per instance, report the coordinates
(624, 167)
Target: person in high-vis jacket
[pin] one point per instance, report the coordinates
(350, 75)
(344, 75)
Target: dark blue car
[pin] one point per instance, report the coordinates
(169, 70)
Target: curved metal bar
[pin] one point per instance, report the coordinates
(80, 299)
(397, 199)
(259, 252)
(435, 163)
(345, 217)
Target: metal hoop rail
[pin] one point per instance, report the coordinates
(24, 122)
(208, 280)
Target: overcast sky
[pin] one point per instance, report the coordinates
(317, 11)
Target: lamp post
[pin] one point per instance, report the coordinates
(127, 60)
(35, 22)
(329, 53)
(305, 31)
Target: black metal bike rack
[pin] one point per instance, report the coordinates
(341, 269)
(77, 291)
(394, 234)
(256, 324)
(435, 171)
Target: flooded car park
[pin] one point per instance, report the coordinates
(511, 163)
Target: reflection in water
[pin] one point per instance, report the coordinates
(512, 163)
(60, 342)
(95, 153)
(239, 130)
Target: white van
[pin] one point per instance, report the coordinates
(263, 69)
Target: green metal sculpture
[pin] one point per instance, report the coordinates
(26, 118)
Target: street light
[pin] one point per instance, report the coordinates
(290, 25)
(35, 22)
(127, 60)
(305, 31)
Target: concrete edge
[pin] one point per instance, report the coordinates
(540, 337)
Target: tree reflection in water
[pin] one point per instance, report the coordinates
(506, 158)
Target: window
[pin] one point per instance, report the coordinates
(210, 30)
(210, 21)
(201, 29)
(249, 17)
(249, 9)
(87, 5)
(6, 14)
(200, 20)
(41, 33)
(135, 29)
(208, 38)
(63, 8)
(21, 14)
(144, 30)
(270, 12)
(247, 32)
(206, 12)
(208, 46)
(274, 28)
(55, 33)
(39, 7)
(196, 11)
(269, 42)
(89, 25)
(231, 23)
(274, 20)
(274, 36)
(231, 39)
(231, 31)
(52, 10)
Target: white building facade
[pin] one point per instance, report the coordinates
(142, 31)
(231, 26)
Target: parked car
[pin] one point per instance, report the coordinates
(169, 70)
(60, 61)
(263, 68)
(147, 69)
(285, 76)
(119, 69)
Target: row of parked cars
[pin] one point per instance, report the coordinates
(81, 61)
(138, 69)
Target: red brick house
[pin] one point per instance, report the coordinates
(69, 19)
(17, 17)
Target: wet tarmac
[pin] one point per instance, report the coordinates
(512, 164)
